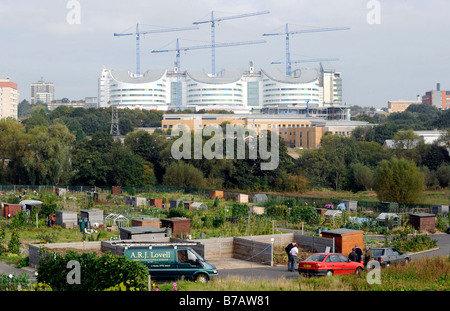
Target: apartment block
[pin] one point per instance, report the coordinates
(9, 99)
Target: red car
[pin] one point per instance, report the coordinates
(328, 264)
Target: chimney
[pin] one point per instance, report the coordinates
(438, 87)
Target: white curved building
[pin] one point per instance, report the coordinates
(226, 92)
(293, 90)
(122, 88)
(234, 90)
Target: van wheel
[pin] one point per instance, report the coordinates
(201, 278)
(330, 273)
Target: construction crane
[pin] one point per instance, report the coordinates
(213, 22)
(138, 34)
(178, 50)
(287, 33)
(311, 60)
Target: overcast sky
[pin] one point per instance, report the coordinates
(403, 56)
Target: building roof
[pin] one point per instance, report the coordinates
(307, 75)
(30, 202)
(228, 76)
(423, 215)
(340, 231)
(198, 205)
(383, 216)
(142, 229)
(126, 76)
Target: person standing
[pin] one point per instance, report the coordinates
(367, 256)
(288, 249)
(358, 252)
(353, 256)
(293, 254)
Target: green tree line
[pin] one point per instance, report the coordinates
(72, 146)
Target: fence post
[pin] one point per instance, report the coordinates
(271, 251)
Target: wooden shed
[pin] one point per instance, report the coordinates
(180, 226)
(242, 198)
(116, 190)
(141, 233)
(158, 202)
(9, 210)
(423, 221)
(145, 222)
(215, 193)
(93, 216)
(345, 239)
(66, 219)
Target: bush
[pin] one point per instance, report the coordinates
(97, 272)
(14, 243)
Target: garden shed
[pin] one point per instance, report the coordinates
(345, 239)
(440, 209)
(116, 190)
(158, 202)
(423, 221)
(175, 203)
(242, 198)
(350, 205)
(27, 205)
(66, 219)
(179, 226)
(93, 216)
(9, 210)
(141, 233)
(144, 222)
(215, 193)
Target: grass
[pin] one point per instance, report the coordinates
(420, 275)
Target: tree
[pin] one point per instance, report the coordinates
(14, 243)
(183, 175)
(398, 180)
(363, 176)
(443, 175)
(49, 162)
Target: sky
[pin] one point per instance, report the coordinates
(397, 52)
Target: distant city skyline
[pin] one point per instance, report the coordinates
(399, 56)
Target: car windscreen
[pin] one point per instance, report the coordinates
(196, 254)
(377, 252)
(315, 258)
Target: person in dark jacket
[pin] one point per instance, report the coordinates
(353, 256)
(288, 249)
(358, 252)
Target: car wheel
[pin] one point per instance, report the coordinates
(330, 273)
(201, 278)
(406, 261)
(358, 271)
